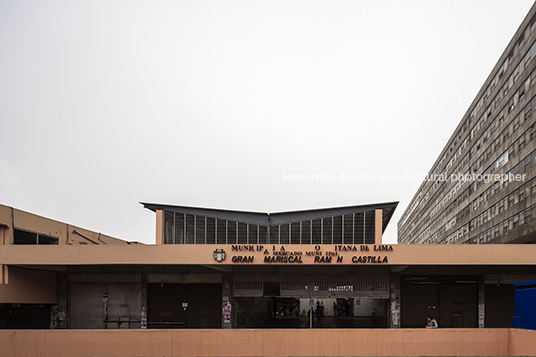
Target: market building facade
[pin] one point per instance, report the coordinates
(228, 269)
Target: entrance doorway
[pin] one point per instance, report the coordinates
(299, 312)
(452, 301)
(347, 312)
(304, 304)
(171, 306)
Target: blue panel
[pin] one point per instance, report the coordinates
(532, 282)
(515, 321)
(525, 306)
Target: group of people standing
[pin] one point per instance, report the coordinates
(317, 312)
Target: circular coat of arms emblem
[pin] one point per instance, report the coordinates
(219, 255)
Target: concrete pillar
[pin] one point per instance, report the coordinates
(311, 303)
(59, 314)
(4, 274)
(394, 301)
(3, 230)
(481, 302)
(228, 313)
(143, 298)
(159, 227)
(378, 231)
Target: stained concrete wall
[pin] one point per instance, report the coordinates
(265, 342)
(11, 218)
(29, 286)
(521, 342)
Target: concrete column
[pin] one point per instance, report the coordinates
(228, 313)
(143, 298)
(3, 230)
(394, 301)
(481, 302)
(311, 303)
(60, 311)
(4, 274)
(378, 231)
(159, 227)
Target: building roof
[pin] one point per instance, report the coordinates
(277, 218)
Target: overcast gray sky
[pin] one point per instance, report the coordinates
(249, 105)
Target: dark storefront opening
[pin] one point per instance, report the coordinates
(24, 316)
(500, 305)
(453, 302)
(171, 306)
(345, 298)
(335, 312)
(105, 305)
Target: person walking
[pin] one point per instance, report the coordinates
(318, 313)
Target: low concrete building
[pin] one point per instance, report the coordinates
(228, 269)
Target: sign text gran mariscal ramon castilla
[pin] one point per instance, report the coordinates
(318, 254)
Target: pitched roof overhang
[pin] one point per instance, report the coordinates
(274, 219)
